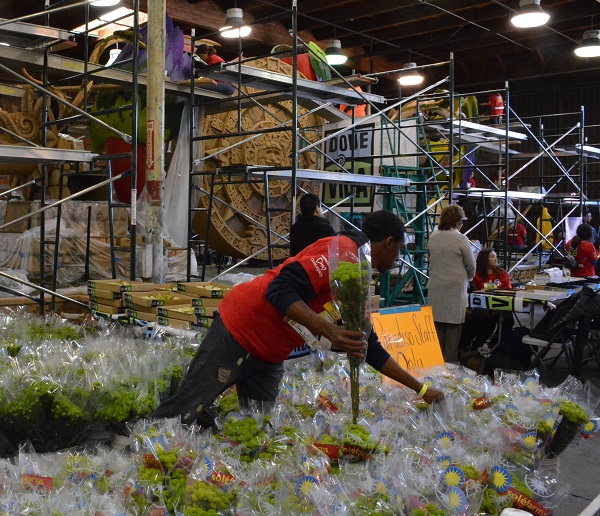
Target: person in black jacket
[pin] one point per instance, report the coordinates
(310, 226)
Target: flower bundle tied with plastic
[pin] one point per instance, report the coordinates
(350, 277)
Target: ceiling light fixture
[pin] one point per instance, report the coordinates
(121, 12)
(235, 26)
(590, 44)
(104, 3)
(334, 53)
(410, 76)
(530, 14)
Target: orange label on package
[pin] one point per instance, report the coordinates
(221, 479)
(331, 450)
(520, 501)
(355, 451)
(36, 482)
(150, 461)
(326, 403)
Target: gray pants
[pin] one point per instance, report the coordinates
(219, 363)
(449, 337)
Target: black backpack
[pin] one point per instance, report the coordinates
(570, 262)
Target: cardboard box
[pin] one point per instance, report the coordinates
(194, 314)
(106, 301)
(15, 210)
(106, 309)
(182, 325)
(142, 316)
(206, 302)
(155, 298)
(204, 289)
(121, 286)
(105, 294)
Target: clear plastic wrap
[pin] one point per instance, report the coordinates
(350, 278)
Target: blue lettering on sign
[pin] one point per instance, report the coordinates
(300, 351)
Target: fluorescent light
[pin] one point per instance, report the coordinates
(514, 194)
(488, 129)
(104, 3)
(109, 29)
(4, 44)
(588, 148)
(90, 26)
(530, 14)
(590, 44)
(117, 13)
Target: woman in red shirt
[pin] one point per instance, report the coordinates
(487, 273)
(481, 323)
(582, 248)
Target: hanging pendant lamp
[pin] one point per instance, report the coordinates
(235, 26)
(530, 14)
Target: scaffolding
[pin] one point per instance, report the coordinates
(34, 47)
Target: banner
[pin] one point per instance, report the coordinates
(352, 150)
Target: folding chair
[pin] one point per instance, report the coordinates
(593, 344)
(558, 342)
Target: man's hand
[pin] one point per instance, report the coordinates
(432, 394)
(353, 342)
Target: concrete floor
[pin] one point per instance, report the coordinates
(579, 467)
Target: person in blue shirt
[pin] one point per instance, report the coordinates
(587, 219)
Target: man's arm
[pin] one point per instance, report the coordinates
(393, 370)
(341, 339)
(287, 292)
(380, 359)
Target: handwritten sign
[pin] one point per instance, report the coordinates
(409, 337)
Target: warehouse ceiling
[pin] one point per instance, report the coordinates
(382, 35)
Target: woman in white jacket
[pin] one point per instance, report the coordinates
(451, 267)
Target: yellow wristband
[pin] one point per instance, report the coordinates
(422, 391)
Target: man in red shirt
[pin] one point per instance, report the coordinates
(517, 235)
(496, 103)
(256, 332)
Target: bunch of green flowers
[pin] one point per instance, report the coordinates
(350, 289)
(206, 498)
(247, 433)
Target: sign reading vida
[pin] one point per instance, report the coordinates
(409, 337)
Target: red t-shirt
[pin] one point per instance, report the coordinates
(500, 277)
(214, 59)
(496, 103)
(517, 235)
(586, 255)
(257, 325)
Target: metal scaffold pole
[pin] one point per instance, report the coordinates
(155, 127)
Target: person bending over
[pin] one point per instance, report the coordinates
(247, 344)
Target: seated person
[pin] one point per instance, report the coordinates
(480, 323)
(310, 226)
(582, 248)
(487, 273)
